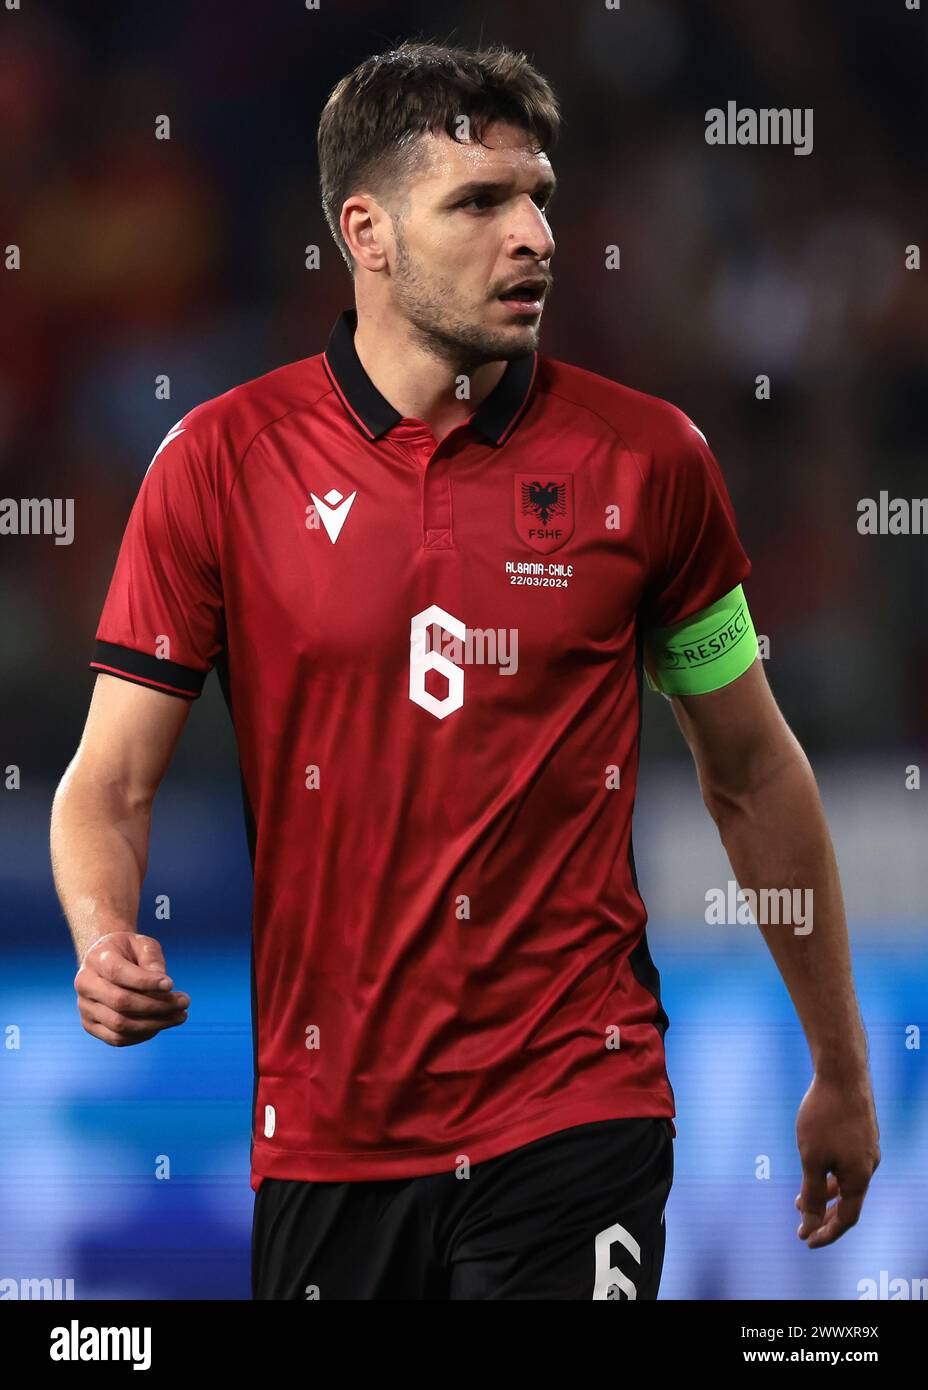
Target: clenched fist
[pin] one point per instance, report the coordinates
(124, 993)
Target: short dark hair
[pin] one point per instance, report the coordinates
(372, 120)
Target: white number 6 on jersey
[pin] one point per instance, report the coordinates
(421, 661)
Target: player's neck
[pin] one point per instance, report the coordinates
(418, 384)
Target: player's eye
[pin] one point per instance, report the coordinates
(480, 202)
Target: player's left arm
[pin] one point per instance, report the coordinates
(760, 790)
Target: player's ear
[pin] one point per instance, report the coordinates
(367, 231)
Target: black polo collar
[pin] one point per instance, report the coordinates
(496, 416)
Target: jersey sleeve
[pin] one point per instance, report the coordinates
(696, 556)
(162, 623)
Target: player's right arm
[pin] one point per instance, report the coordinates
(101, 817)
(159, 633)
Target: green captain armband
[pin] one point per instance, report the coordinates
(709, 649)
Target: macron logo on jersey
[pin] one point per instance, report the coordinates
(333, 510)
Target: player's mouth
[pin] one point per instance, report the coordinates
(525, 297)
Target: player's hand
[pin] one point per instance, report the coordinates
(839, 1144)
(124, 993)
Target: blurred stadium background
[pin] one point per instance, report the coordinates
(142, 257)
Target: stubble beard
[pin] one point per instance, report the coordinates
(440, 328)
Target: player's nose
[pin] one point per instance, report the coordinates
(530, 232)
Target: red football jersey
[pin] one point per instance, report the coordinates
(432, 658)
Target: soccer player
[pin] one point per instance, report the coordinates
(431, 568)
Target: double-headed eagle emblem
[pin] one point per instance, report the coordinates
(545, 500)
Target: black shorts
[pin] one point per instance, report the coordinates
(578, 1214)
